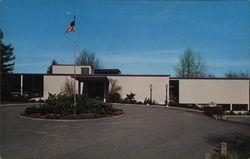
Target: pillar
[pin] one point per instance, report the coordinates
(79, 87)
(105, 92)
(231, 107)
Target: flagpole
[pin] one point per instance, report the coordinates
(74, 52)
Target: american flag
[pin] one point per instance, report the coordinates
(71, 27)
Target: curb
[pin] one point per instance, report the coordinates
(21, 104)
(157, 106)
(191, 110)
(70, 120)
(237, 116)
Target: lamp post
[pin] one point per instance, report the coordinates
(150, 92)
(166, 94)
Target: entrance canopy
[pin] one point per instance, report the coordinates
(94, 86)
(91, 78)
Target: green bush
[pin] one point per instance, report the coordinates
(130, 98)
(210, 111)
(114, 97)
(63, 104)
(238, 149)
(32, 110)
(149, 101)
(88, 105)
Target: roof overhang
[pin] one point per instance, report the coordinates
(84, 78)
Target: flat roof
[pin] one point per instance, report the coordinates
(139, 75)
(69, 65)
(174, 78)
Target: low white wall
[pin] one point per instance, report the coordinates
(54, 83)
(140, 85)
(214, 90)
(68, 69)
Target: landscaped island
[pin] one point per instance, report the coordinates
(62, 107)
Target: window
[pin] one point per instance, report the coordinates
(84, 71)
(239, 107)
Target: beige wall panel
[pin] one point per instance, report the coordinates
(218, 91)
(62, 69)
(140, 85)
(53, 84)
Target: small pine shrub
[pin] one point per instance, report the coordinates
(149, 101)
(210, 111)
(114, 97)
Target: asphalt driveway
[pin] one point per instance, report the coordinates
(143, 133)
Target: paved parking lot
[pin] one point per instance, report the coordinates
(143, 133)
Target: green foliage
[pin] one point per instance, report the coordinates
(229, 156)
(63, 104)
(149, 101)
(238, 149)
(241, 147)
(6, 56)
(210, 111)
(88, 58)
(114, 97)
(89, 105)
(130, 98)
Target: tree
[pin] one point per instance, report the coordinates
(114, 87)
(88, 58)
(54, 62)
(68, 87)
(7, 56)
(231, 74)
(191, 65)
(199, 67)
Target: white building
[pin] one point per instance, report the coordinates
(232, 94)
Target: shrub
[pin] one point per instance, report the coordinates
(114, 97)
(210, 111)
(32, 110)
(149, 101)
(238, 149)
(130, 99)
(63, 104)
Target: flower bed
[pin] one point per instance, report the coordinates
(61, 107)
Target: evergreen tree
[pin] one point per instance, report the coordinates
(7, 56)
(54, 62)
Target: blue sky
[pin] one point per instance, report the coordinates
(138, 37)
